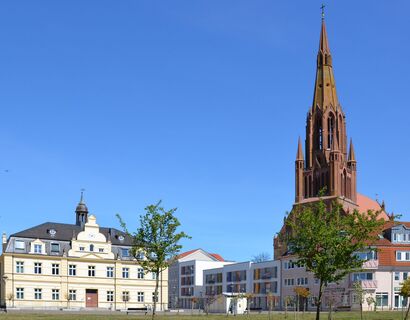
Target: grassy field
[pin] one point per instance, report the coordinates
(291, 316)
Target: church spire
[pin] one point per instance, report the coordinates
(352, 156)
(324, 42)
(299, 153)
(325, 85)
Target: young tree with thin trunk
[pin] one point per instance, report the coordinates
(326, 241)
(155, 242)
(405, 292)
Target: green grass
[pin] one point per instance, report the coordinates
(275, 316)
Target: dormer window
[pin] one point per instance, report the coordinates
(55, 247)
(38, 248)
(125, 252)
(19, 245)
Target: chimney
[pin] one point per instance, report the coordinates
(4, 241)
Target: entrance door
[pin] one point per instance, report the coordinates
(91, 298)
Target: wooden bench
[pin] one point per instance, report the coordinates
(142, 309)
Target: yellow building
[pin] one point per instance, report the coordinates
(82, 265)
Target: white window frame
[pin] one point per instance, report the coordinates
(72, 295)
(38, 268)
(55, 269)
(91, 271)
(110, 272)
(38, 294)
(140, 273)
(20, 293)
(19, 266)
(110, 296)
(140, 296)
(55, 294)
(72, 270)
(125, 273)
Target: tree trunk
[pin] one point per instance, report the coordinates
(407, 312)
(155, 294)
(319, 301)
(361, 310)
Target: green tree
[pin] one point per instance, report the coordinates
(405, 292)
(326, 240)
(360, 294)
(156, 241)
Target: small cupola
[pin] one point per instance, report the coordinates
(81, 212)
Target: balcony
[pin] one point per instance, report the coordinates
(366, 284)
(371, 264)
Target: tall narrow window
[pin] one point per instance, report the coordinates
(55, 269)
(72, 295)
(38, 294)
(91, 271)
(55, 294)
(72, 270)
(19, 266)
(20, 293)
(37, 267)
(330, 131)
(110, 272)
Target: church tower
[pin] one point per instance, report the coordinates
(327, 165)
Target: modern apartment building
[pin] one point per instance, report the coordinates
(260, 281)
(185, 279)
(82, 265)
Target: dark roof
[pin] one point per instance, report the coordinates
(65, 232)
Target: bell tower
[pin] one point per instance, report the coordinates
(327, 167)
(81, 212)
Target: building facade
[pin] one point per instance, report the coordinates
(82, 265)
(185, 280)
(259, 281)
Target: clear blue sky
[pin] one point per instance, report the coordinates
(198, 103)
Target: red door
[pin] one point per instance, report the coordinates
(91, 298)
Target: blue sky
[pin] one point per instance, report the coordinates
(198, 103)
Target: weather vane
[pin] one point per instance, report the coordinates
(323, 10)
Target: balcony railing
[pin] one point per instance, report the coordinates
(371, 264)
(366, 284)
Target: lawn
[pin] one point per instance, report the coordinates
(276, 316)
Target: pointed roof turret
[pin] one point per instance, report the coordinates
(352, 156)
(325, 85)
(299, 153)
(324, 42)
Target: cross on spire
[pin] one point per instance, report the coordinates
(323, 10)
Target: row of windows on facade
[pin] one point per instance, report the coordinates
(303, 281)
(55, 248)
(72, 295)
(369, 255)
(402, 255)
(258, 288)
(401, 237)
(258, 274)
(72, 270)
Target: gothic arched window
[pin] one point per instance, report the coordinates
(330, 130)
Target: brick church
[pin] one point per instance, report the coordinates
(329, 166)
